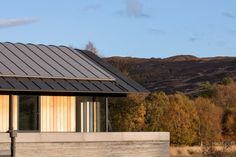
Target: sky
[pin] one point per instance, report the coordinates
(136, 28)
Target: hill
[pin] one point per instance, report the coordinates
(183, 73)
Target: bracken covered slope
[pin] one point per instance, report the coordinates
(183, 73)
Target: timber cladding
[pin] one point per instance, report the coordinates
(4, 112)
(57, 113)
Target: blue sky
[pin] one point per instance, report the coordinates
(138, 28)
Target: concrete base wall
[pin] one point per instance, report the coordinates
(141, 144)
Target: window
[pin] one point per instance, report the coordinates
(28, 112)
(90, 115)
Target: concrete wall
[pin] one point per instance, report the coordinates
(126, 144)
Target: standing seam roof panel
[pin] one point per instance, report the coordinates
(13, 57)
(41, 84)
(72, 61)
(15, 83)
(99, 62)
(101, 70)
(4, 84)
(5, 70)
(15, 69)
(78, 85)
(28, 83)
(47, 59)
(86, 63)
(53, 84)
(59, 59)
(66, 84)
(38, 60)
(29, 61)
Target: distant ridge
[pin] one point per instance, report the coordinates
(182, 58)
(183, 73)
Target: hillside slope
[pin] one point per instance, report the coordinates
(183, 73)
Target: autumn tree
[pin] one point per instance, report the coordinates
(210, 116)
(229, 121)
(156, 106)
(225, 95)
(181, 120)
(127, 114)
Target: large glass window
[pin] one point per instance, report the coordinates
(91, 114)
(28, 112)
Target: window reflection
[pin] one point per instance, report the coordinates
(90, 115)
(28, 112)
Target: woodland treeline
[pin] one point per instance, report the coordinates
(202, 120)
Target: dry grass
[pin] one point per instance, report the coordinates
(196, 151)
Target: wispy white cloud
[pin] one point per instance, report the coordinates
(16, 22)
(134, 8)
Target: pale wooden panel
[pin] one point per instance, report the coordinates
(94, 117)
(15, 112)
(4, 112)
(69, 112)
(55, 126)
(57, 114)
(73, 113)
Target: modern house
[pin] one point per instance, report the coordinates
(54, 101)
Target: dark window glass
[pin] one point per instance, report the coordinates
(101, 114)
(90, 114)
(28, 112)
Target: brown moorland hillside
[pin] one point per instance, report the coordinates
(183, 73)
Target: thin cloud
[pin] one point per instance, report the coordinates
(134, 8)
(229, 15)
(156, 31)
(193, 39)
(16, 22)
(92, 7)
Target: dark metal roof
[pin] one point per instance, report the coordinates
(40, 68)
(28, 60)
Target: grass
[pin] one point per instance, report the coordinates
(196, 151)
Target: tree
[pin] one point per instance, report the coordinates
(210, 116)
(127, 114)
(225, 95)
(183, 120)
(91, 47)
(229, 122)
(156, 105)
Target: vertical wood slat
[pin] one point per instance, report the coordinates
(15, 112)
(87, 116)
(60, 113)
(73, 113)
(4, 112)
(82, 116)
(94, 117)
